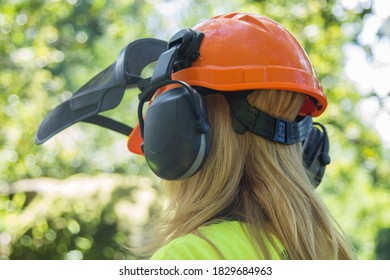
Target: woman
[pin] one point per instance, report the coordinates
(252, 197)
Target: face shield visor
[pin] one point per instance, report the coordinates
(104, 91)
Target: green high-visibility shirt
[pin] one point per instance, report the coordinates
(224, 240)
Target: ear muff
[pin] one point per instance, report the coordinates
(176, 133)
(315, 150)
(176, 128)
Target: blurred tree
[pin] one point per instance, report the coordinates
(49, 48)
(90, 217)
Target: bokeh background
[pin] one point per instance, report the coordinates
(82, 195)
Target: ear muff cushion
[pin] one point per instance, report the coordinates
(174, 147)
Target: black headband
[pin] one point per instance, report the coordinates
(247, 117)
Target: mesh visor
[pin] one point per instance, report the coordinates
(104, 91)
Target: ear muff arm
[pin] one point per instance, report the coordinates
(164, 66)
(148, 93)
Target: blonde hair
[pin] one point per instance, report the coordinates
(251, 179)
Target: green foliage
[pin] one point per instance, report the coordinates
(54, 219)
(49, 48)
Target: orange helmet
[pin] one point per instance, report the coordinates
(242, 51)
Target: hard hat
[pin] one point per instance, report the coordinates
(242, 51)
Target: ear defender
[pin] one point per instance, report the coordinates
(176, 130)
(176, 134)
(315, 152)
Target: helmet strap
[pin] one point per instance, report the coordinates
(248, 118)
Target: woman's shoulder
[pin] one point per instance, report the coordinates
(186, 247)
(221, 240)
